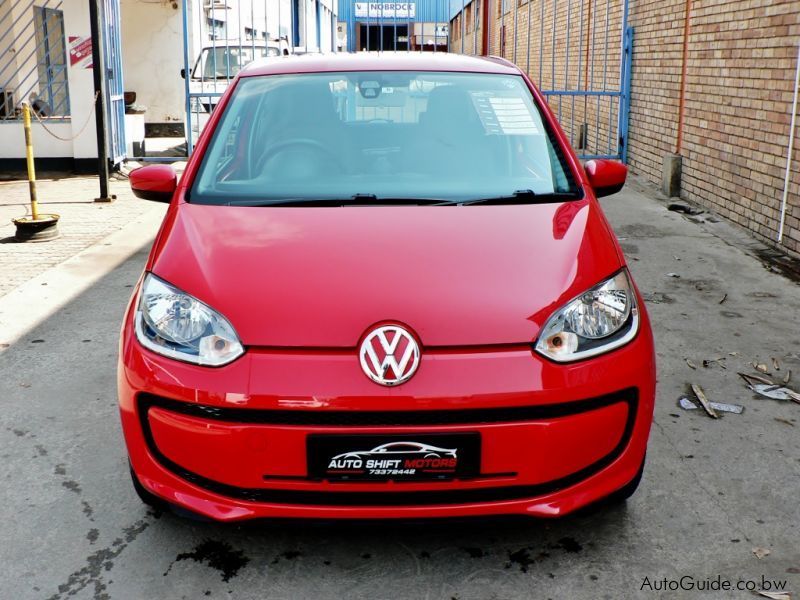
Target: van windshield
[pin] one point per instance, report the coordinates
(225, 62)
(384, 135)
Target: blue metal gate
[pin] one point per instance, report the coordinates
(599, 128)
(115, 88)
(221, 37)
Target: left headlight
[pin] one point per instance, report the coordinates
(173, 323)
(599, 320)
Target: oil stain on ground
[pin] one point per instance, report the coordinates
(287, 555)
(523, 558)
(569, 544)
(218, 555)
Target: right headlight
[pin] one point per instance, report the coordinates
(599, 320)
(173, 323)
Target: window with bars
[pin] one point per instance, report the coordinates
(52, 97)
(216, 29)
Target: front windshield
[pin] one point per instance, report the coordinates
(392, 135)
(224, 62)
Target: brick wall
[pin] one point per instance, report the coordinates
(741, 58)
(741, 70)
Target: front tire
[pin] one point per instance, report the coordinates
(626, 491)
(162, 505)
(145, 496)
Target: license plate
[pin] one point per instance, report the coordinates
(397, 457)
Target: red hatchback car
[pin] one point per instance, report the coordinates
(384, 287)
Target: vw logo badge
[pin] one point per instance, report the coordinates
(389, 355)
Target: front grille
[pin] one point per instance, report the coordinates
(383, 418)
(387, 418)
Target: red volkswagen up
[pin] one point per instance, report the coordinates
(384, 287)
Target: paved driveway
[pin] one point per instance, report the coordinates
(713, 491)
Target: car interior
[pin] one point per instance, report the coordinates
(362, 132)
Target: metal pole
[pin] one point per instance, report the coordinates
(186, 75)
(514, 53)
(578, 78)
(463, 25)
(435, 28)
(26, 119)
(605, 86)
(98, 70)
(541, 45)
(553, 52)
(789, 150)
(486, 39)
(593, 34)
(475, 18)
(408, 27)
(528, 51)
(37, 227)
(566, 74)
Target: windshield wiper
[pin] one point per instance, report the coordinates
(354, 200)
(524, 197)
(518, 197)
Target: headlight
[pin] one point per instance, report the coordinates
(597, 321)
(173, 323)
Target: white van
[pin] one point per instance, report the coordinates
(217, 65)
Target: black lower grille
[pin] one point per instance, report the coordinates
(385, 418)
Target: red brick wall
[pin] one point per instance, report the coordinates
(741, 69)
(740, 75)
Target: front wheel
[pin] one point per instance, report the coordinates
(160, 504)
(626, 491)
(145, 496)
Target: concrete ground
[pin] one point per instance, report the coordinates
(82, 222)
(716, 494)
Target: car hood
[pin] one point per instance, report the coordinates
(323, 276)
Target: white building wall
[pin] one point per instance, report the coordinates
(152, 57)
(152, 50)
(22, 59)
(81, 83)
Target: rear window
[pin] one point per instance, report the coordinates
(389, 134)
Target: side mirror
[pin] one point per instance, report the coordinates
(154, 182)
(606, 176)
(183, 73)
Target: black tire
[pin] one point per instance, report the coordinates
(616, 498)
(162, 505)
(145, 496)
(627, 490)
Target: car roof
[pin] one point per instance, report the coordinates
(379, 61)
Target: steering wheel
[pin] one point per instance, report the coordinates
(320, 148)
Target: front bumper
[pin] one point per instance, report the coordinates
(230, 443)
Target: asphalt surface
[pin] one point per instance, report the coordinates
(713, 490)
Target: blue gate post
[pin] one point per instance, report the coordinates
(115, 88)
(187, 124)
(625, 88)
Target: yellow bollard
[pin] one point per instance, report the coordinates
(37, 227)
(26, 121)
